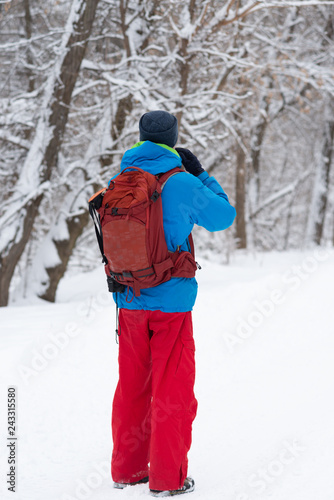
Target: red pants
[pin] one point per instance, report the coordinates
(154, 403)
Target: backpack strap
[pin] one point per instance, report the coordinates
(95, 203)
(163, 178)
(191, 244)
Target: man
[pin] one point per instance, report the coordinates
(154, 403)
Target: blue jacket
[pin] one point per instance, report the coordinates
(186, 200)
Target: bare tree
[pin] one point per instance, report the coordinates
(321, 185)
(22, 207)
(240, 200)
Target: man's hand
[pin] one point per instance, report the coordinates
(190, 162)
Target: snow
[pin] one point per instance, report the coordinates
(264, 343)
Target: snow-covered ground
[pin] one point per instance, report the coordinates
(265, 380)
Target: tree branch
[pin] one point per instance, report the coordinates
(7, 137)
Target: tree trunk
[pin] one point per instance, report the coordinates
(321, 187)
(241, 234)
(42, 277)
(75, 225)
(24, 204)
(257, 137)
(28, 29)
(123, 109)
(185, 62)
(9, 260)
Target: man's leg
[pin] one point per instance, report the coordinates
(173, 405)
(131, 417)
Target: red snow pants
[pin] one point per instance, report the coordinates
(154, 403)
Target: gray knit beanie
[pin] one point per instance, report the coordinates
(160, 127)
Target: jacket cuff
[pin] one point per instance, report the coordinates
(203, 176)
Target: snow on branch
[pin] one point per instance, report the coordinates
(7, 137)
(305, 3)
(88, 86)
(23, 43)
(290, 188)
(17, 203)
(189, 28)
(227, 15)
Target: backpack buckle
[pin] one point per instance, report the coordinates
(114, 211)
(155, 196)
(127, 274)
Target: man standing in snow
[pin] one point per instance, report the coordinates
(154, 403)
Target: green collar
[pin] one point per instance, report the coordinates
(162, 145)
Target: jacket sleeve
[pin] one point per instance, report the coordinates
(207, 203)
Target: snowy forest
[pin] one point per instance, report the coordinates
(251, 83)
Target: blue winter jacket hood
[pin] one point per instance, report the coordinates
(186, 200)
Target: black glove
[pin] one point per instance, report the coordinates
(190, 162)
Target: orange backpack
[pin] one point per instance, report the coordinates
(129, 228)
